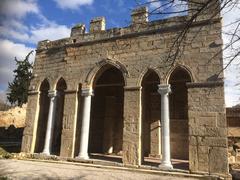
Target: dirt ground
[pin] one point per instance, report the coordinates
(20, 169)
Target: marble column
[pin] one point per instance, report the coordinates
(50, 123)
(164, 90)
(83, 152)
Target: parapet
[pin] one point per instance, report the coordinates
(139, 25)
(140, 15)
(97, 24)
(77, 30)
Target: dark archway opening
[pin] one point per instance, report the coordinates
(79, 121)
(57, 130)
(178, 102)
(151, 114)
(106, 127)
(44, 102)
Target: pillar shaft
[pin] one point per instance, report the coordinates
(83, 153)
(50, 123)
(164, 90)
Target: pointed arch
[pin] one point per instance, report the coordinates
(178, 102)
(102, 66)
(179, 68)
(145, 73)
(44, 103)
(151, 114)
(106, 125)
(44, 84)
(61, 84)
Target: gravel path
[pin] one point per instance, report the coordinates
(20, 169)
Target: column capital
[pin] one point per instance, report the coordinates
(164, 89)
(87, 92)
(52, 94)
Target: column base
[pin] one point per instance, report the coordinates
(165, 166)
(82, 156)
(46, 153)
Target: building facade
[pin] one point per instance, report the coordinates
(112, 91)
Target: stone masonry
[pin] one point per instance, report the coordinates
(111, 91)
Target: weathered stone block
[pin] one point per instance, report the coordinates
(97, 24)
(218, 165)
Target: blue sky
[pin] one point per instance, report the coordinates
(25, 22)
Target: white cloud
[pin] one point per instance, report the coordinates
(166, 8)
(12, 25)
(73, 4)
(13, 33)
(18, 8)
(154, 4)
(13, 28)
(10, 50)
(51, 31)
(179, 5)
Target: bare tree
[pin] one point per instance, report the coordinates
(231, 30)
(196, 9)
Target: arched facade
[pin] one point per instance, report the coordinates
(42, 135)
(124, 77)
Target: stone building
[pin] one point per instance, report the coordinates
(112, 92)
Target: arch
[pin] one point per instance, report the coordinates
(44, 103)
(151, 115)
(145, 72)
(61, 86)
(60, 83)
(42, 82)
(178, 102)
(102, 66)
(180, 67)
(44, 85)
(106, 126)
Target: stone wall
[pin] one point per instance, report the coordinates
(207, 128)
(233, 119)
(133, 51)
(11, 138)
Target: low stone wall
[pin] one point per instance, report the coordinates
(12, 122)
(233, 122)
(11, 138)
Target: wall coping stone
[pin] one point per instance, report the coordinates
(209, 84)
(32, 93)
(70, 91)
(153, 27)
(132, 88)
